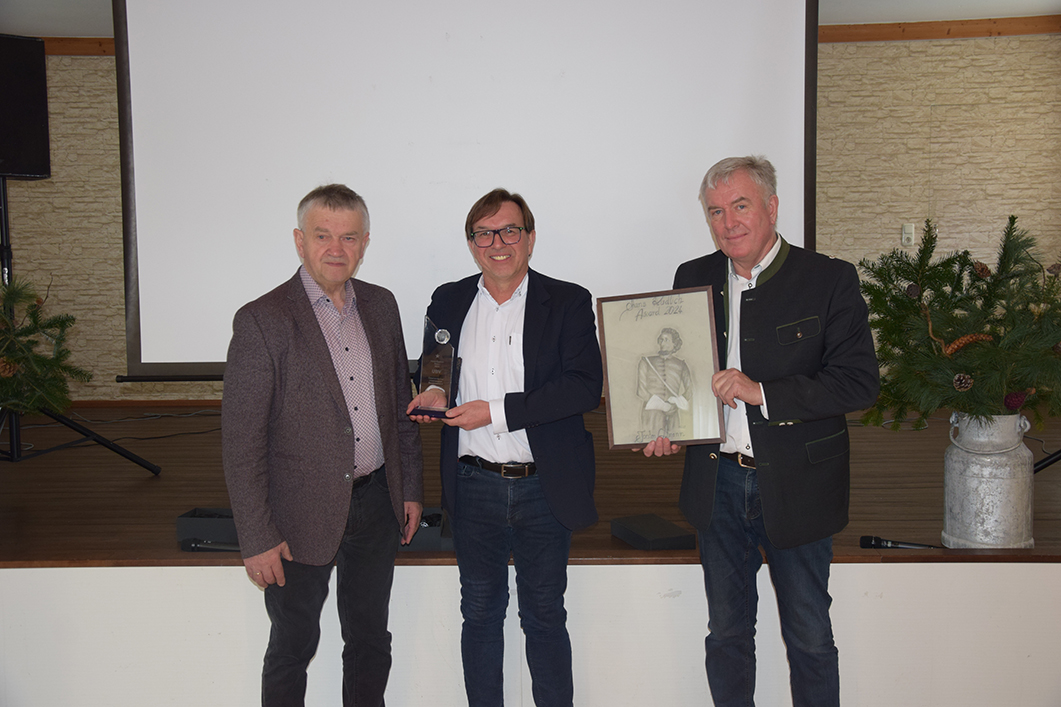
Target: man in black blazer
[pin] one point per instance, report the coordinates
(798, 356)
(517, 462)
(322, 464)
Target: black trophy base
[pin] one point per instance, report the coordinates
(429, 412)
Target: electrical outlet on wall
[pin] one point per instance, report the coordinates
(908, 235)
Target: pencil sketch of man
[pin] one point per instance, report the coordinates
(665, 385)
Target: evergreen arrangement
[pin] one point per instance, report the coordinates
(952, 332)
(34, 365)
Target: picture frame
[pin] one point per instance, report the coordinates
(660, 352)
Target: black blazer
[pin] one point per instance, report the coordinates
(563, 378)
(805, 336)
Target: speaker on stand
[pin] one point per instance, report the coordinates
(25, 154)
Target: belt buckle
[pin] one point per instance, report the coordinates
(513, 474)
(741, 464)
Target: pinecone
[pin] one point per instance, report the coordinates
(1054, 269)
(981, 269)
(1014, 401)
(913, 290)
(8, 368)
(963, 382)
(963, 340)
(1057, 348)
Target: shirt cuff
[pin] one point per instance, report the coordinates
(762, 408)
(498, 421)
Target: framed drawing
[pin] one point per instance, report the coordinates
(659, 353)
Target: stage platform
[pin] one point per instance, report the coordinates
(89, 507)
(100, 607)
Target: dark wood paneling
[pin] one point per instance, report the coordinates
(87, 506)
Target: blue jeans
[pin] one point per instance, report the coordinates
(365, 563)
(495, 518)
(729, 553)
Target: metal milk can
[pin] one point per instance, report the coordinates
(987, 483)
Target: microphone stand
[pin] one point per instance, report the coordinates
(1046, 461)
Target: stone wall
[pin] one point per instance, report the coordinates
(964, 131)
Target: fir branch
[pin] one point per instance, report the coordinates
(1002, 326)
(31, 379)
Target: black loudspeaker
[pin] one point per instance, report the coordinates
(24, 150)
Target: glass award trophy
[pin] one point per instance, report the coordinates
(438, 369)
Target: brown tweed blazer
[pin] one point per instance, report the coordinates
(287, 442)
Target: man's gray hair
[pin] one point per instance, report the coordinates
(757, 167)
(334, 197)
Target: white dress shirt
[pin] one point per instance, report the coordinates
(738, 435)
(491, 351)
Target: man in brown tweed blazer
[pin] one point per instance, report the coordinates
(321, 462)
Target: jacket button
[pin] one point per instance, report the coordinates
(347, 476)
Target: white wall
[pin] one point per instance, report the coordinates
(938, 635)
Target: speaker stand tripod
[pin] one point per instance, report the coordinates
(12, 419)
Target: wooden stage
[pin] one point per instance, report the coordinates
(86, 506)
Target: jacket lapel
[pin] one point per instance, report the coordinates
(535, 315)
(454, 318)
(312, 341)
(378, 345)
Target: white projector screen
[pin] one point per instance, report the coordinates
(604, 115)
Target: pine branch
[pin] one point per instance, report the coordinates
(34, 358)
(950, 332)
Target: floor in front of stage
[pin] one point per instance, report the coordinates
(87, 506)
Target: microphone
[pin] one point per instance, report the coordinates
(872, 541)
(197, 545)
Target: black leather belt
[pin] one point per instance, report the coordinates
(742, 459)
(362, 480)
(509, 470)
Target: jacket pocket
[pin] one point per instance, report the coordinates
(798, 331)
(828, 447)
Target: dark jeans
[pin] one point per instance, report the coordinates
(729, 552)
(497, 518)
(365, 563)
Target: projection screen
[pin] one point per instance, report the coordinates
(604, 115)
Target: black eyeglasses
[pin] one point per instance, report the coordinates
(510, 235)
